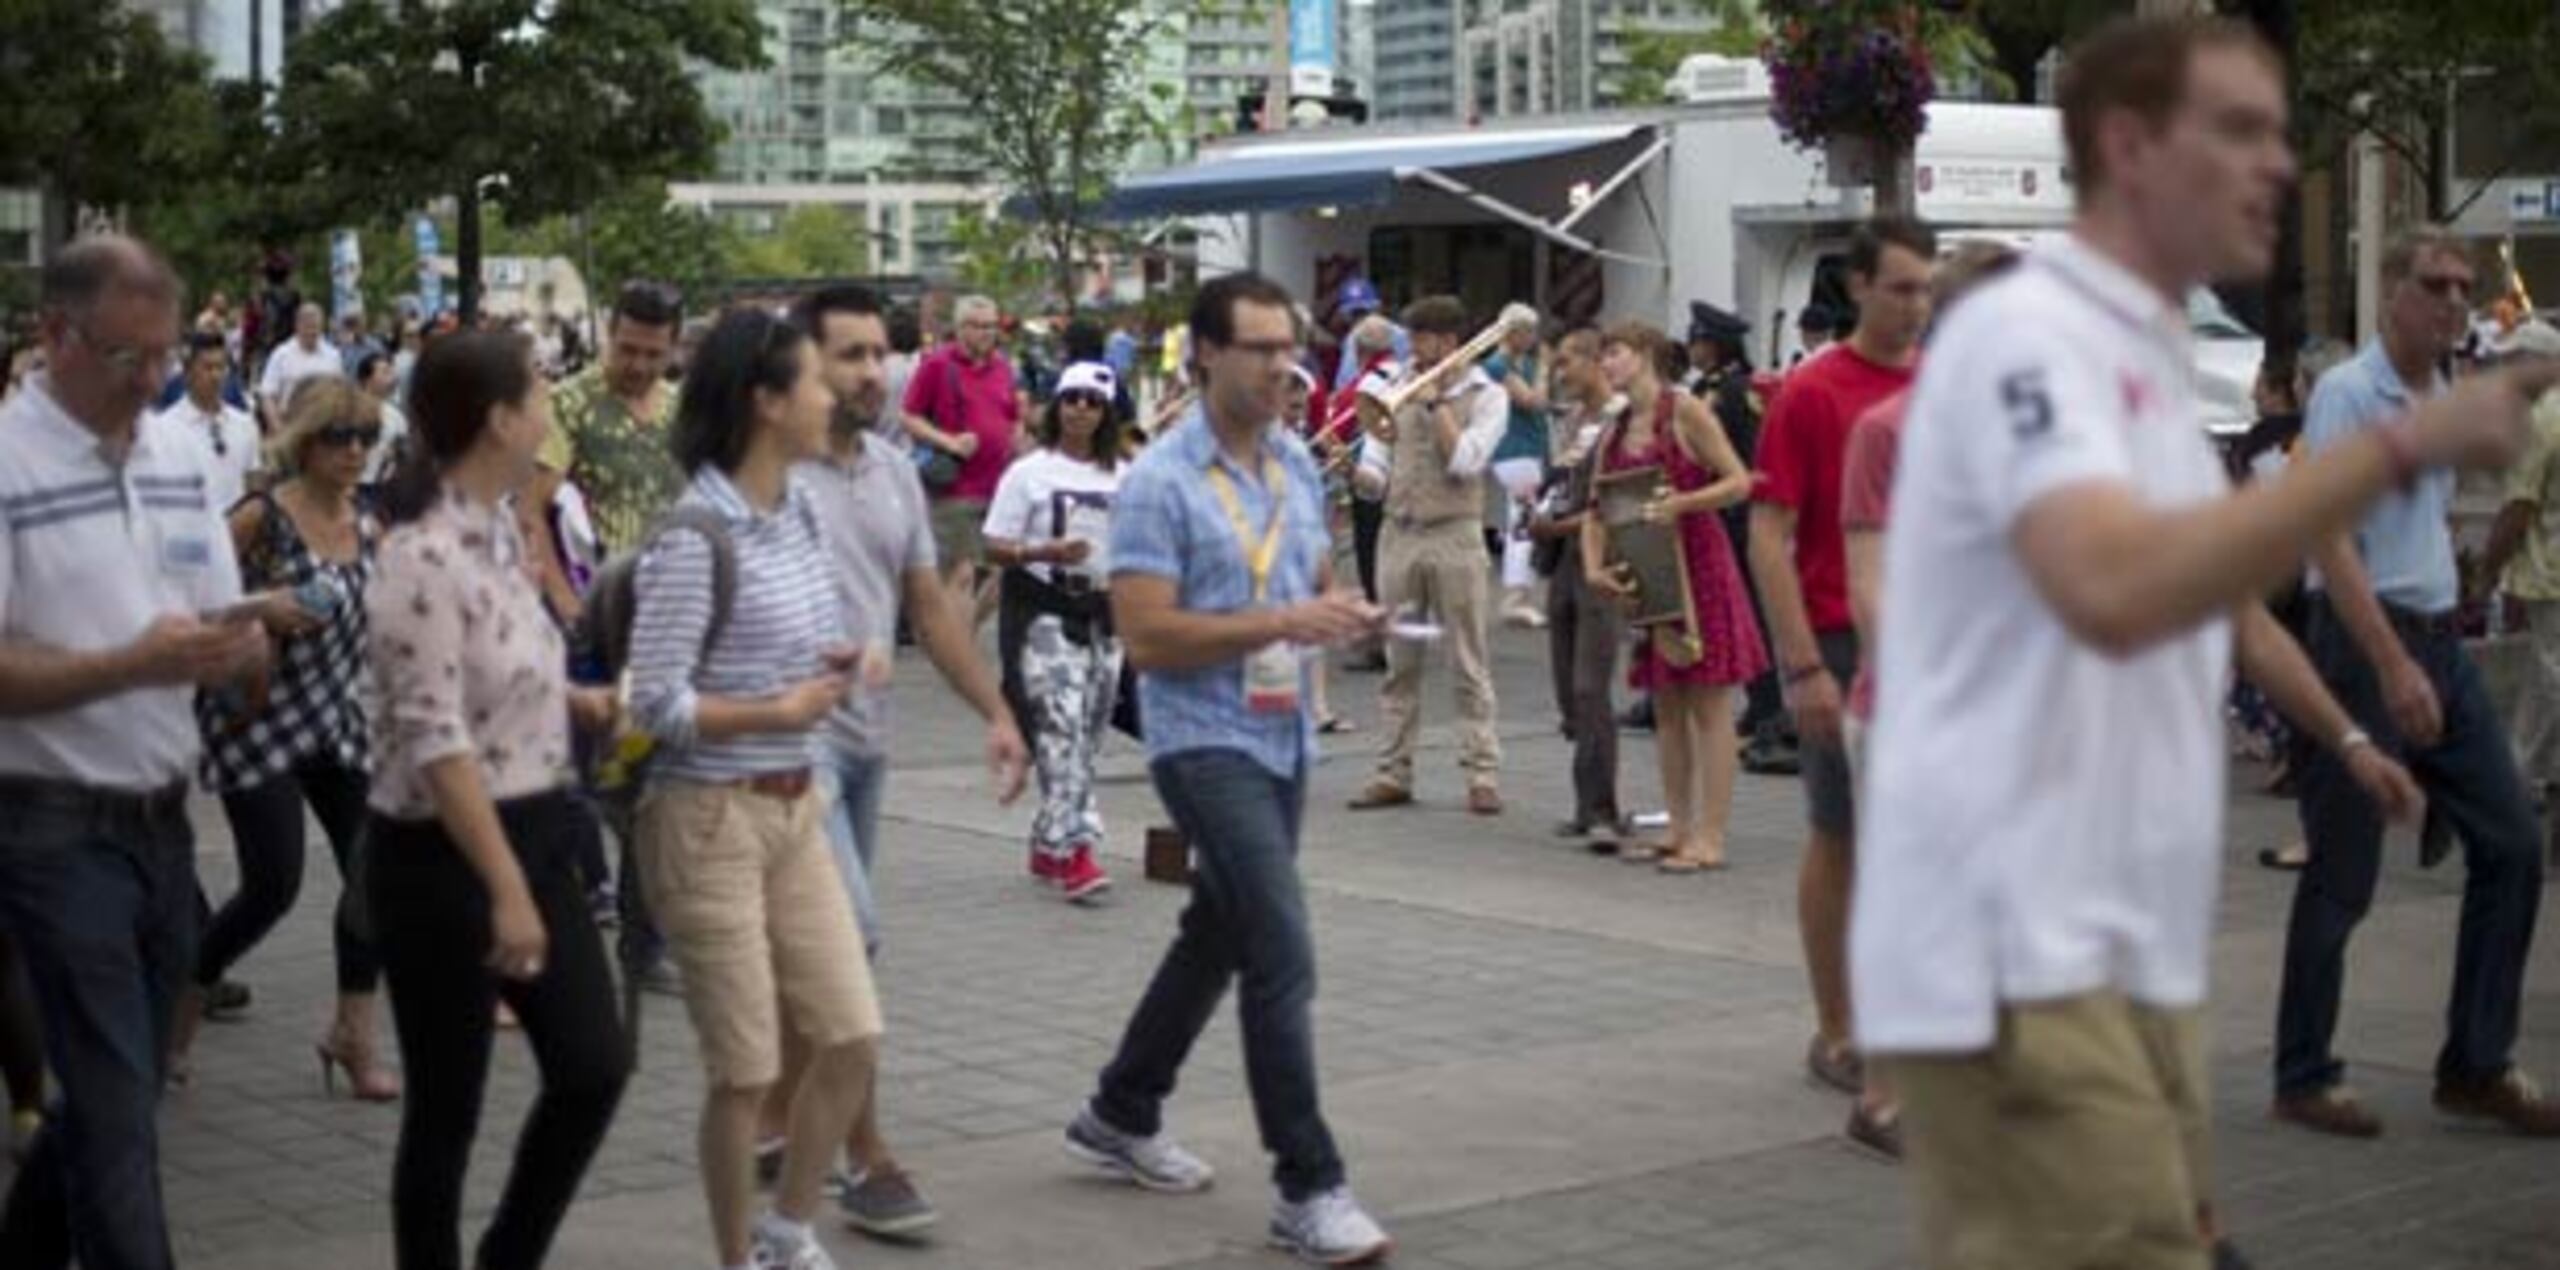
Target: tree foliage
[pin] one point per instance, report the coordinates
(1059, 90)
(813, 241)
(99, 109)
(552, 104)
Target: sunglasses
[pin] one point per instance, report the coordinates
(1083, 397)
(344, 435)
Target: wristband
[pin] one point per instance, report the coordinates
(2400, 447)
(2352, 740)
(1803, 673)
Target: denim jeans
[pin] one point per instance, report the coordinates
(1247, 918)
(855, 785)
(102, 907)
(2470, 778)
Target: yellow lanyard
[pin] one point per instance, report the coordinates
(1257, 559)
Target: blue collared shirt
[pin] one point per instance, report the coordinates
(1170, 523)
(2405, 542)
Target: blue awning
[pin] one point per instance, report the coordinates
(1294, 175)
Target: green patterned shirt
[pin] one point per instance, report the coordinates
(623, 464)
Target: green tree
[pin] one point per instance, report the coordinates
(100, 110)
(813, 241)
(1059, 90)
(1001, 259)
(1653, 57)
(550, 105)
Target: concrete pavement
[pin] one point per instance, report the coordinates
(1532, 1056)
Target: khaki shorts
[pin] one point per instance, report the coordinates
(2077, 1143)
(756, 917)
(960, 530)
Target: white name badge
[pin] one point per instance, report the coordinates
(1271, 679)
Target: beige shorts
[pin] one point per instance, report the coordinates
(959, 530)
(2077, 1142)
(756, 917)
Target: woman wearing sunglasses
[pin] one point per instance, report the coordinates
(1048, 527)
(297, 738)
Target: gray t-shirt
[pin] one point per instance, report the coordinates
(872, 512)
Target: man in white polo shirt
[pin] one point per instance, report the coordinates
(2070, 579)
(115, 578)
(225, 430)
(305, 356)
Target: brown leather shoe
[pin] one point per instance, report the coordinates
(2508, 1098)
(1381, 794)
(2332, 1111)
(1484, 800)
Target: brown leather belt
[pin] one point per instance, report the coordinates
(787, 786)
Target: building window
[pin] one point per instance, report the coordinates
(889, 121)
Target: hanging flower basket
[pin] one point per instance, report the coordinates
(1855, 72)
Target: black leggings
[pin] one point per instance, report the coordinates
(21, 1035)
(267, 828)
(431, 913)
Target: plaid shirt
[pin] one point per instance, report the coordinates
(1169, 522)
(312, 706)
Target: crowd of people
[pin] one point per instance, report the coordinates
(1972, 566)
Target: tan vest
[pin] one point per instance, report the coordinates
(1420, 492)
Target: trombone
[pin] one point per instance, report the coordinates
(1395, 399)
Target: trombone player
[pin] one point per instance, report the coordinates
(1441, 421)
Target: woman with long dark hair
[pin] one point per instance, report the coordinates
(1692, 667)
(1048, 527)
(475, 892)
(298, 738)
(733, 845)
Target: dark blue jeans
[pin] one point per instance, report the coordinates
(1247, 919)
(2470, 779)
(101, 904)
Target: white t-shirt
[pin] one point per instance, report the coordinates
(289, 365)
(229, 438)
(2041, 819)
(1049, 497)
(395, 428)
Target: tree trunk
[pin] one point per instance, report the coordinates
(2283, 328)
(1894, 195)
(1062, 246)
(466, 253)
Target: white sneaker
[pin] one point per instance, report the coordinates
(1329, 1229)
(1157, 1163)
(773, 1249)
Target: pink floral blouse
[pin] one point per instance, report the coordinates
(465, 660)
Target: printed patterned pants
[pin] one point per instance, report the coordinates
(1070, 688)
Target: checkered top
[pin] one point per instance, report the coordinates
(312, 706)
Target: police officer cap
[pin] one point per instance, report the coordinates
(1707, 322)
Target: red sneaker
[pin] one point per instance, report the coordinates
(1044, 867)
(1080, 879)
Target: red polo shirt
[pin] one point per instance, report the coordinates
(1804, 448)
(958, 395)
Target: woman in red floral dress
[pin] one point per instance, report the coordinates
(1691, 668)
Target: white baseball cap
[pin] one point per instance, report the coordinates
(1091, 377)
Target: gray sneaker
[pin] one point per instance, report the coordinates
(1157, 1163)
(1329, 1229)
(885, 1203)
(770, 1250)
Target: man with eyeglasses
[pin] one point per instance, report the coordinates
(226, 431)
(960, 406)
(2384, 634)
(119, 599)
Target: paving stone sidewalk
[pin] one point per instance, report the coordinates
(1536, 1058)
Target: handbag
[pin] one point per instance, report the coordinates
(937, 468)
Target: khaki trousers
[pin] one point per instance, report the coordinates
(2077, 1143)
(1437, 574)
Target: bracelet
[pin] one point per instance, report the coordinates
(1803, 673)
(2400, 447)
(2352, 740)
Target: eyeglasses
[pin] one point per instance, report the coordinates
(1083, 397)
(345, 435)
(129, 359)
(2444, 286)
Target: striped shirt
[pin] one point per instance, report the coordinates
(787, 612)
(91, 553)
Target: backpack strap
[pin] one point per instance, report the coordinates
(714, 530)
